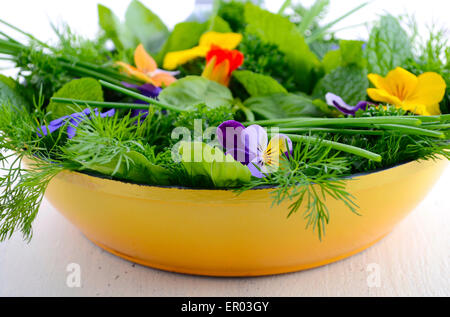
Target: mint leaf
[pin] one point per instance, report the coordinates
(276, 29)
(389, 46)
(215, 168)
(194, 90)
(279, 106)
(11, 93)
(87, 89)
(349, 82)
(146, 26)
(258, 84)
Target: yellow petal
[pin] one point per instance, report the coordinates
(381, 95)
(174, 59)
(379, 82)
(132, 71)
(144, 62)
(401, 83)
(207, 72)
(228, 41)
(430, 90)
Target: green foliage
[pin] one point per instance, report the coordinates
(279, 106)
(233, 13)
(257, 84)
(193, 90)
(11, 92)
(210, 117)
(80, 89)
(349, 53)
(211, 167)
(265, 58)
(277, 30)
(115, 30)
(348, 82)
(389, 46)
(146, 26)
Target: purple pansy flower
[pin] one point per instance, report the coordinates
(342, 106)
(251, 146)
(73, 121)
(147, 90)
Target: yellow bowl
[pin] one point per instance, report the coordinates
(215, 232)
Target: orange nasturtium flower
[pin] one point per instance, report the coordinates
(221, 63)
(227, 41)
(418, 94)
(147, 70)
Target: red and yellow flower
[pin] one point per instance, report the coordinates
(221, 63)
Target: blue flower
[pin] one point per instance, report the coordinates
(72, 121)
(147, 90)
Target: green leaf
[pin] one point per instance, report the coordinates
(278, 106)
(258, 84)
(10, 92)
(349, 53)
(217, 24)
(389, 46)
(80, 89)
(146, 26)
(121, 36)
(213, 167)
(349, 82)
(193, 90)
(275, 29)
(136, 167)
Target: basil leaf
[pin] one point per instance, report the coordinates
(81, 89)
(10, 92)
(276, 29)
(279, 106)
(146, 26)
(215, 168)
(194, 90)
(349, 82)
(389, 46)
(258, 84)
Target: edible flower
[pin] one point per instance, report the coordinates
(72, 121)
(250, 146)
(147, 90)
(337, 102)
(147, 70)
(221, 63)
(420, 95)
(228, 41)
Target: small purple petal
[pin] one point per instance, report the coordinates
(256, 167)
(342, 106)
(255, 139)
(241, 155)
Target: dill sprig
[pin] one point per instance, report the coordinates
(310, 176)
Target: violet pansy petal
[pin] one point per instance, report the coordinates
(286, 145)
(229, 134)
(256, 167)
(342, 106)
(240, 155)
(255, 139)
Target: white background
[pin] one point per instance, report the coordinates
(414, 259)
(33, 15)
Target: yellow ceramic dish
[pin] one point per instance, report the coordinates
(215, 232)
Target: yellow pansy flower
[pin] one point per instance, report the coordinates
(418, 94)
(147, 70)
(228, 41)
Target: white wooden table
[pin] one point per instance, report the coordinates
(411, 261)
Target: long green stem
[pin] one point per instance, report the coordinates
(331, 130)
(412, 130)
(338, 146)
(139, 96)
(117, 105)
(320, 122)
(88, 72)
